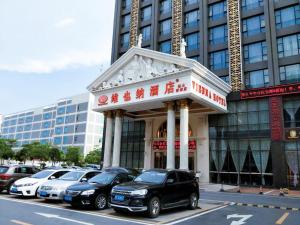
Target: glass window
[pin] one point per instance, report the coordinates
(192, 41)
(13, 122)
(190, 2)
(257, 79)
(12, 129)
(67, 140)
(36, 126)
(218, 10)
(251, 4)
(59, 120)
(288, 16)
(126, 21)
(71, 109)
(165, 27)
(61, 110)
(82, 107)
(45, 133)
(219, 60)
(35, 135)
(146, 32)
(126, 4)
(58, 130)
(146, 13)
(291, 112)
(69, 129)
(79, 139)
(256, 52)
(165, 47)
(19, 129)
(254, 25)
(19, 136)
(27, 127)
(47, 116)
(288, 45)
(218, 34)
(57, 140)
(37, 117)
(21, 120)
(80, 128)
(70, 119)
(225, 78)
(26, 136)
(81, 117)
(29, 119)
(290, 73)
(165, 6)
(125, 40)
(192, 19)
(46, 124)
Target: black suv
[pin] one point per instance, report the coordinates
(156, 190)
(95, 192)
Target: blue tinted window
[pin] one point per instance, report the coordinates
(165, 27)
(80, 128)
(46, 124)
(12, 129)
(70, 119)
(13, 122)
(21, 120)
(165, 47)
(125, 40)
(126, 4)
(47, 116)
(257, 79)
(288, 46)
(44, 141)
(36, 126)
(146, 13)
(29, 119)
(45, 133)
(218, 34)
(57, 140)
(251, 4)
(192, 19)
(218, 10)
(288, 16)
(67, 140)
(58, 130)
(82, 107)
(37, 118)
(225, 78)
(27, 127)
(79, 139)
(290, 73)
(69, 129)
(192, 41)
(19, 136)
(71, 108)
(61, 110)
(20, 128)
(126, 21)
(35, 135)
(165, 6)
(256, 52)
(81, 117)
(219, 60)
(190, 2)
(254, 25)
(26, 135)
(59, 120)
(146, 32)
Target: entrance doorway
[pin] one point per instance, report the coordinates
(160, 160)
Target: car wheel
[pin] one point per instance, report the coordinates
(101, 202)
(154, 207)
(193, 201)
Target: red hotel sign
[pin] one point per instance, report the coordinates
(162, 145)
(271, 91)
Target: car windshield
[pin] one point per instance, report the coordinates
(42, 174)
(151, 177)
(3, 169)
(103, 178)
(72, 176)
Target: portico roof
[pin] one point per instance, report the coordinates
(144, 79)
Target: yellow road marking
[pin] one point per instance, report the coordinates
(282, 218)
(20, 222)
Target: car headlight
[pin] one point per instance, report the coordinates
(140, 192)
(88, 192)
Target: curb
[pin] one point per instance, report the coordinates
(265, 206)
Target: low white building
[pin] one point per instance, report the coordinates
(173, 95)
(68, 122)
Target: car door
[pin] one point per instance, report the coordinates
(184, 185)
(170, 191)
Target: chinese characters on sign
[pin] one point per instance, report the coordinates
(271, 91)
(162, 145)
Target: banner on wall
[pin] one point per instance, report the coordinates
(162, 145)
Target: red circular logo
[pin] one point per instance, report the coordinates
(102, 100)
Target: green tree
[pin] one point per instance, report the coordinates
(93, 157)
(55, 155)
(6, 151)
(74, 156)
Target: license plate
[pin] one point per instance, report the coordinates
(14, 190)
(43, 193)
(119, 197)
(68, 198)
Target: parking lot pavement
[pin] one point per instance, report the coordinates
(33, 211)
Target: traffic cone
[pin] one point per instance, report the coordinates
(261, 190)
(281, 192)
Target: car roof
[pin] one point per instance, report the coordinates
(168, 170)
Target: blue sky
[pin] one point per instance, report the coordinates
(51, 49)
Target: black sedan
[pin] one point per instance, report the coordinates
(95, 192)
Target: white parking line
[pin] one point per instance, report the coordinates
(86, 213)
(197, 215)
(268, 192)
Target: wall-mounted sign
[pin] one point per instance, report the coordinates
(271, 91)
(162, 145)
(292, 134)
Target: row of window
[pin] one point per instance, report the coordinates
(30, 135)
(79, 128)
(67, 140)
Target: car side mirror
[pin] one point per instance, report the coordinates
(84, 179)
(170, 181)
(52, 178)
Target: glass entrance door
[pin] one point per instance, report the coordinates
(160, 160)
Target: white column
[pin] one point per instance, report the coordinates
(117, 139)
(108, 140)
(203, 149)
(148, 148)
(170, 136)
(184, 135)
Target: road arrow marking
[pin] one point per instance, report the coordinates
(61, 218)
(241, 221)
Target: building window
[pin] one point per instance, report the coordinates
(219, 60)
(81, 117)
(290, 73)
(21, 120)
(165, 6)
(27, 127)
(37, 118)
(126, 4)
(82, 107)
(80, 128)
(256, 52)
(146, 13)
(69, 129)
(79, 139)
(57, 140)
(165, 27)
(26, 136)
(165, 47)
(36, 126)
(257, 79)
(45, 133)
(47, 116)
(196, 57)
(288, 16)
(46, 124)
(192, 41)
(288, 45)
(58, 130)
(251, 4)
(125, 40)
(146, 32)
(67, 140)
(225, 78)
(70, 119)
(126, 21)
(59, 120)
(218, 10)
(291, 112)
(190, 2)
(71, 109)
(191, 19)
(254, 25)
(218, 35)
(28, 120)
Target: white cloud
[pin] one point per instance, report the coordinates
(71, 59)
(65, 22)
